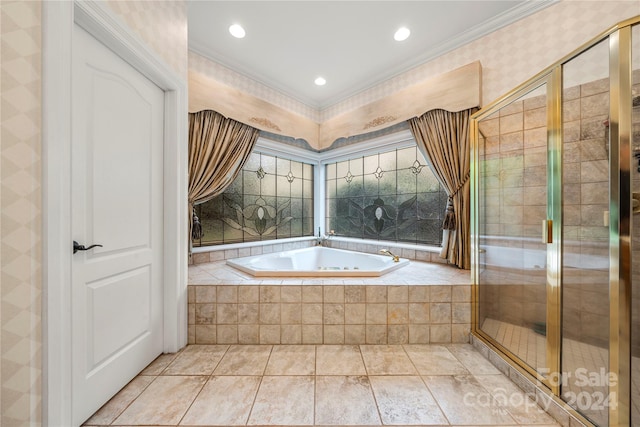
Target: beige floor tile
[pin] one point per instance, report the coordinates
(292, 360)
(523, 409)
(120, 401)
(163, 402)
(284, 400)
(244, 360)
(157, 366)
(405, 400)
(387, 360)
(434, 360)
(465, 402)
(343, 394)
(472, 359)
(196, 360)
(345, 400)
(223, 401)
(339, 360)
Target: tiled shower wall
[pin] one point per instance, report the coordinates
(516, 199)
(513, 203)
(585, 201)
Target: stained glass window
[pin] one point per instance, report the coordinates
(272, 198)
(389, 196)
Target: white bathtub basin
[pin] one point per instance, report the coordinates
(317, 262)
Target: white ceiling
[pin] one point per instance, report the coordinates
(349, 43)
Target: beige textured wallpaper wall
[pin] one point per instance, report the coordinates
(163, 26)
(20, 204)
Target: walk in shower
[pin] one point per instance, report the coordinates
(556, 231)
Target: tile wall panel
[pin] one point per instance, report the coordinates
(329, 314)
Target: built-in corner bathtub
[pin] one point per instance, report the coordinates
(317, 262)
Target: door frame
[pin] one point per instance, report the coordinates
(58, 19)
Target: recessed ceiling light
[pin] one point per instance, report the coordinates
(320, 81)
(402, 34)
(237, 31)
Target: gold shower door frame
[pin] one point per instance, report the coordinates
(620, 222)
(552, 82)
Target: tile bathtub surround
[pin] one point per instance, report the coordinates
(322, 385)
(228, 307)
(214, 255)
(248, 250)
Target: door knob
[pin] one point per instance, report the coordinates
(78, 247)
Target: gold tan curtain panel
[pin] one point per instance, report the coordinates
(218, 149)
(443, 137)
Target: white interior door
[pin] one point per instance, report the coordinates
(117, 200)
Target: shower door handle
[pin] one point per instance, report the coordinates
(547, 231)
(635, 203)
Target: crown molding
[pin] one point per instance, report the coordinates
(506, 18)
(246, 73)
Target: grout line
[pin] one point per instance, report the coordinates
(493, 396)
(375, 400)
(155, 377)
(209, 377)
(403, 346)
(220, 361)
(435, 399)
(195, 398)
(266, 365)
(425, 383)
(255, 397)
(315, 382)
(130, 403)
(362, 359)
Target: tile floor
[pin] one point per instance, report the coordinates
(530, 347)
(211, 385)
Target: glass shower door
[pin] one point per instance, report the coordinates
(571, 318)
(585, 248)
(512, 205)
